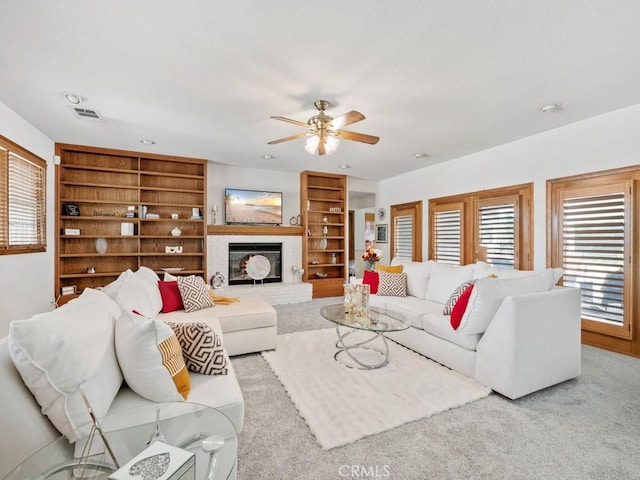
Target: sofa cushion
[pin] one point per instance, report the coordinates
(69, 350)
(392, 284)
(440, 326)
(444, 279)
(151, 358)
(412, 308)
(140, 292)
(112, 289)
(372, 279)
(483, 269)
(194, 293)
(488, 293)
(171, 298)
(417, 276)
(460, 307)
(201, 348)
(455, 295)
(389, 268)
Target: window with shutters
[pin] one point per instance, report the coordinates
(406, 231)
(492, 225)
(591, 241)
(22, 200)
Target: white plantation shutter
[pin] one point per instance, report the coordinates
(22, 200)
(594, 254)
(403, 236)
(447, 235)
(497, 231)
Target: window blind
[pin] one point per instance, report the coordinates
(403, 236)
(497, 232)
(593, 254)
(22, 200)
(447, 237)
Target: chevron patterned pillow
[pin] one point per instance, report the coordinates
(453, 298)
(201, 348)
(392, 284)
(194, 293)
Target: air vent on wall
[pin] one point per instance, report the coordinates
(87, 113)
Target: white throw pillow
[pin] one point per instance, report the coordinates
(483, 269)
(112, 289)
(62, 352)
(150, 362)
(139, 294)
(417, 276)
(444, 279)
(488, 293)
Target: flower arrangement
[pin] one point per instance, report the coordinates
(371, 254)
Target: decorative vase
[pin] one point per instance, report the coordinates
(101, 245)
(323, 243)
(371, 266)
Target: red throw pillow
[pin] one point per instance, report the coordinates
(372, 279)
(460, 307)
(171, 298)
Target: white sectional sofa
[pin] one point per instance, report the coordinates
(248, 325)
(519, 333)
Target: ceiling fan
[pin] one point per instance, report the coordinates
(324, 132)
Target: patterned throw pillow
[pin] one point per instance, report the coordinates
(201, 348)
(392, 284)
(453, 298)
(194, 293)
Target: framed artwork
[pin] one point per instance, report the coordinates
(381, 233)
(71, 209)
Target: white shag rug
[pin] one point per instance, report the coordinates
(342, 405)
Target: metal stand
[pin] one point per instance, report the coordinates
(364, 344)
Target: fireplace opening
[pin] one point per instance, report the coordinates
(239, 255)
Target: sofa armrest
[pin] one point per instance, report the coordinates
(532, 342)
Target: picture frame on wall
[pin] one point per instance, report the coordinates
(72, 209)
(381, 232)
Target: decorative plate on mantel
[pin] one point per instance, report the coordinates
(258, 267)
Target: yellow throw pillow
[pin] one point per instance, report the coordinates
(389, 268)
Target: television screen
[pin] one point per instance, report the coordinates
(252, 207)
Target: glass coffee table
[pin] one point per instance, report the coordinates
(190, 426)
(375, 320)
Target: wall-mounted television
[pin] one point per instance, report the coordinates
(252, 207)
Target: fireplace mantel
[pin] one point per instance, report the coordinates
(253, 230)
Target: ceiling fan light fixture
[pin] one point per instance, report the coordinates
(313, 141)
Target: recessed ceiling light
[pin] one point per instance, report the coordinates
(420, 155)
(551, 107)
(344, 166)
(73, 98)
(146, 141)
(268, 157)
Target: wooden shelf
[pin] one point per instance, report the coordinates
(319, 194)
(108, 181)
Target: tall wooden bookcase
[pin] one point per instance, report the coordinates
(97, 188)
(324, 242)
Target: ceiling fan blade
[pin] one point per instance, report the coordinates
(357, 137)
(288, 120)
(347, 119)
(293, 137)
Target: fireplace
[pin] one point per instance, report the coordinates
(239, 255)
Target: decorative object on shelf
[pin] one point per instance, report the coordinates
(321, 275)
(101, 245)
(68, 290)
(323, 243)
(91, 269)
(131, 212)
(334, 259)
(371, 256)
(126, 229)
(258, 267)
(381, 233)
(174, 216)
(176, 232)
(172, 269)
(315, 262)
(382, 213)
(295, 221)
(214, 213)
(217, 280)
(325, 219)
(71, 231)
(173, 249)
(72, 209)
(325, 229)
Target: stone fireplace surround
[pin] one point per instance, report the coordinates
(291, 290)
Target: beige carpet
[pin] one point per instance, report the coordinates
(342, 405)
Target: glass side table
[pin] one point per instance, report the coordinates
(128, 432)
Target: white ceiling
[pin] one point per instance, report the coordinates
(202, 77)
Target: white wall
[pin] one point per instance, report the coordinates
(26, 281)
(220, 177)
(600, 143)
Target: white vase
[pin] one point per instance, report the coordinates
(323, 243)
(101, 245)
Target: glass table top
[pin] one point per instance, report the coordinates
(375, 320)
(128, 432)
